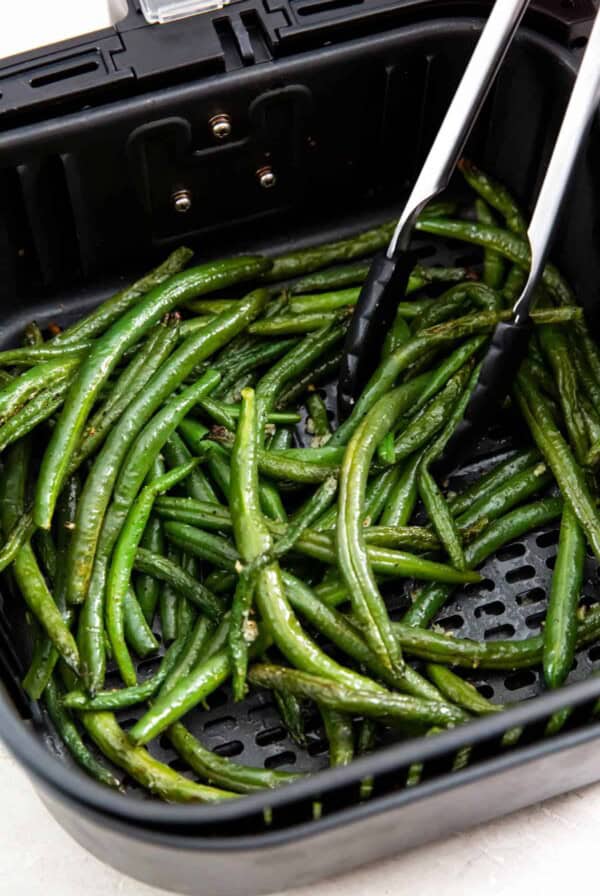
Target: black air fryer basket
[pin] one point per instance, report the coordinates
(338, 101)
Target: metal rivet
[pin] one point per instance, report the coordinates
(182, 201)
(266, 177)
(220, 126)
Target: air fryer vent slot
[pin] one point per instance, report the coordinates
(85, 68)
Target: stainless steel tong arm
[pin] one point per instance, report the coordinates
(475, 83)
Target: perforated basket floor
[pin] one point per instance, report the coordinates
(509, 603)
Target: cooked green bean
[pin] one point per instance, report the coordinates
(104, 356)
(223, 772)
(560, 631)
(559, 458)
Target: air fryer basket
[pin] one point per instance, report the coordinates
(85, 200)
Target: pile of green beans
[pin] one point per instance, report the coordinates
(170, 464)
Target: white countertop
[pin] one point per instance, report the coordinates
(553, 845)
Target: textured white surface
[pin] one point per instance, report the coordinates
(553, 846)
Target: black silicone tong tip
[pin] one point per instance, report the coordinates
(498, 370)
(374, 313)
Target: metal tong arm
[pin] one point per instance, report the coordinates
(474, 86)
(584, 99)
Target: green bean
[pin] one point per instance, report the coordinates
(204, 514)
(507, 244)
(155, 776)
(251, 534)
(138, 633)
(493, 480)
(168, 600)
(342, 276)
(493, 263)
(27, 574)
(25, 387)
(560, 631)
(336, 628)
(290, 711)
(211, 306)
(294, 363)
(399, 334)
(188, 692)
(557, 352)
(385, 449)
(197, 484)
(509, 527)
(205, 545)
(124, 554)
(227, 414)
(559, 458)
(319, 418)
(45, 654)
(164, 569)
(147, 588)
(513, 492)
(385, 561)
(223, 772)
(244, 592)
(433, 416)
(19, 534)
(441, 518)
(29, 356)
(282, 438)
(36, 411)
(386, 375)
(111, 310)
(246, 362)
(402, 499)
(352, 554)
(293, 325)
(45, 550)
(305, 261)
(130, 383)
(120, 698)
(500, 655)
(103, 358)
(194, 652)
(377, 493)
(380, 704)
(323, 303)
(340, 736)
(71, 737)
(460, 692)
(99, 484)
(319, 372)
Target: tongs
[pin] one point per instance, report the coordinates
(389, 272)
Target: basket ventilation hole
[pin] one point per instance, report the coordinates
(520, 574)
(270, 736)
(485, 689)
(510, 552)
(535, 620)
(279, 759)
(594, 653)
(521, 679)
(451, 622)
(495, 608)
(225, 723)
(533, 596)
(318, 746)
(498, 632)
(232, 748)
(547, 539)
